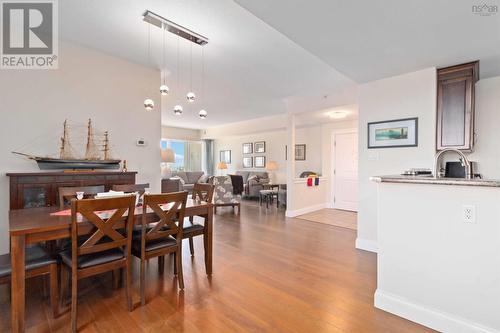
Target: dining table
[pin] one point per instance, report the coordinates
(34, 225)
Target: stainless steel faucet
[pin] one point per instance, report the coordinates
(463, 159)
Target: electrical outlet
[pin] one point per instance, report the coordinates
(469, 214)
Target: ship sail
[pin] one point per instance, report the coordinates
(66, 151)
(91, 151)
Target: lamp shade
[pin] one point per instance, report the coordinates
(271, 166)
(167, 155)
(222, 166)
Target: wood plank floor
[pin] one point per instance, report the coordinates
(271, 274)
(335, 217)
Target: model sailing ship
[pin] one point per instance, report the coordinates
(94, 158)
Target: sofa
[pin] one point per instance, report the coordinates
(183, 181)
(253, 181)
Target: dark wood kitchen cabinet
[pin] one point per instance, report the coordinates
(455, 106)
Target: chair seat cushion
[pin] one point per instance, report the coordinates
(151, 245)
(192, 228)
(93, 259)
(35, 257)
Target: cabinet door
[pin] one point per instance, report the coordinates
(34, 195)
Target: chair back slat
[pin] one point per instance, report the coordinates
(173, 210)
(130, 188)
(70, 192)
(114, 213)
(203, 192)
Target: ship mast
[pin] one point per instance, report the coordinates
(91, 150)
(106, 146)
(65, 152)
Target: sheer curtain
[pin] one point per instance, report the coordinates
(208, 156)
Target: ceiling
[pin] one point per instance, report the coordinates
(369, 40)
(251, 69)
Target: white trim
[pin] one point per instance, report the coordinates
(432, 318)
(332, 155)
(366, 245)
(305, 210)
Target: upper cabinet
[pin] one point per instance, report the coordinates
(455, 106)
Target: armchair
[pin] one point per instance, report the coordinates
(223, 193)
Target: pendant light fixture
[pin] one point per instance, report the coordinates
(164, 90)
(149, 104)
(178, 108)
(203, 113)
(191, 95)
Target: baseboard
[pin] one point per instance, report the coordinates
(366, 245)
(305, 210)
(439, 321)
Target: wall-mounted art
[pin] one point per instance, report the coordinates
(259, 161)
(393, 133)
(247, 148)
(247, 162)
(259, 147)
(300, 152)
(225, 156)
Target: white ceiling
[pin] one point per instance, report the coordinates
(251, 69)
(369, 40)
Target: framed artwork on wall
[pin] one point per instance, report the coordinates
(247, 162)
(393, 133)
(259, 147)
(248, 148)
(259, 161)
(300, 152)
(225, 156)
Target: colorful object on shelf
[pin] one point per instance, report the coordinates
(312, 180)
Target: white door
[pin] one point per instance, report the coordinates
(345, 171)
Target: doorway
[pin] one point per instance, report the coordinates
(345, 170)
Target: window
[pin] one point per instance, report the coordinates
(188, 154)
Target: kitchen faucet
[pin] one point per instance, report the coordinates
(463, 159)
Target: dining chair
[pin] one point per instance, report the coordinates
(70, 192)
(103, 249)
(201, 192)
(38, 263)
(131, 188)
(161, 237)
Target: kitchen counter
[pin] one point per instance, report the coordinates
(435, 181)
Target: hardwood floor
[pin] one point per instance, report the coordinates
(335, 217)
(270, 275)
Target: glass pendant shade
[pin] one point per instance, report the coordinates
(178, 110)
(149, 104)
(203, 114)
(164, 90)
(191, 97)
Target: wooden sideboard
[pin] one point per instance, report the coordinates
(40, 189)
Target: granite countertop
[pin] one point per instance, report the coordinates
(435, 181)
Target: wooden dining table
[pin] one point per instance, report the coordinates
(34, 225)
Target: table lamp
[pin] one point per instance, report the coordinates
(222, 166)
(167, 156)
(270, 167)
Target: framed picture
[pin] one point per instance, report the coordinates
(300, 152)
(393, 133)
(259, 147)
(247, 162)
(248, 148)
(259, 161)
(225, 156)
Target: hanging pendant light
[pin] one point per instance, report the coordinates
(191, 95)
(149, 105)
(178, 108)
(203, 113)
(164, 90)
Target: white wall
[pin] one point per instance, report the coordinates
(87, 84)
(169, 132)
(486, 150)
(404, 96)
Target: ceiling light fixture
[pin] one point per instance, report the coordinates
(164, 90)
(191, 95)
(149, 105)
(338, 114)
(203, 113)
